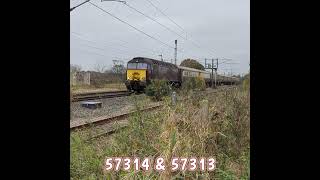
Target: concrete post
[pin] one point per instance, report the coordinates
(174, 98)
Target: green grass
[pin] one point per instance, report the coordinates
(85, 158)
(182, 130)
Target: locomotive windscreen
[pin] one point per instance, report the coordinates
(137, 66)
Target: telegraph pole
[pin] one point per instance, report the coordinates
(213, 67)
(175, 52)
(212, 75)
(161, 57)
(215, 77)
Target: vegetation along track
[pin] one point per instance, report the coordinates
(101, 122)
(98, 95)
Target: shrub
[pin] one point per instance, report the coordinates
(246, 84)
(200, 83)
(195, 83)
(158, 89)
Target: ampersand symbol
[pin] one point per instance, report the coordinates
(160, 165)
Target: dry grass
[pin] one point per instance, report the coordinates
(216, 125)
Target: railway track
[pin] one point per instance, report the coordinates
(104, 125)
(98, 95)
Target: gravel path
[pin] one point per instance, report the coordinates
(109, 106)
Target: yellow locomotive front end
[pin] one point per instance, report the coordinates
(136, 76)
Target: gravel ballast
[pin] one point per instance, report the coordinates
(109, 105)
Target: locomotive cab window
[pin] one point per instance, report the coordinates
(142, 66)
(132, 65)
(137, 66)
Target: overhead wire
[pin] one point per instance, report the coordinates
(195, 44)
(98, 47)
(78, 35)
(166, 27)
(154, 20)
(165, 15)
(90, 52)
(131, 26)
(112, 46)
(134, 27)
(156, 39)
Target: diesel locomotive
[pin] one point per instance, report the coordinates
(140, 72)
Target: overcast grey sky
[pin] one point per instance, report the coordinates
(217, 28)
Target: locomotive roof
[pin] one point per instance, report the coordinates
(192, 69)
(151, 61)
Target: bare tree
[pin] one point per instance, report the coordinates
(118, 67)
(73, 71)
(100, 67)
(75, 68)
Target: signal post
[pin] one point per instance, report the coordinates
(214, 67)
